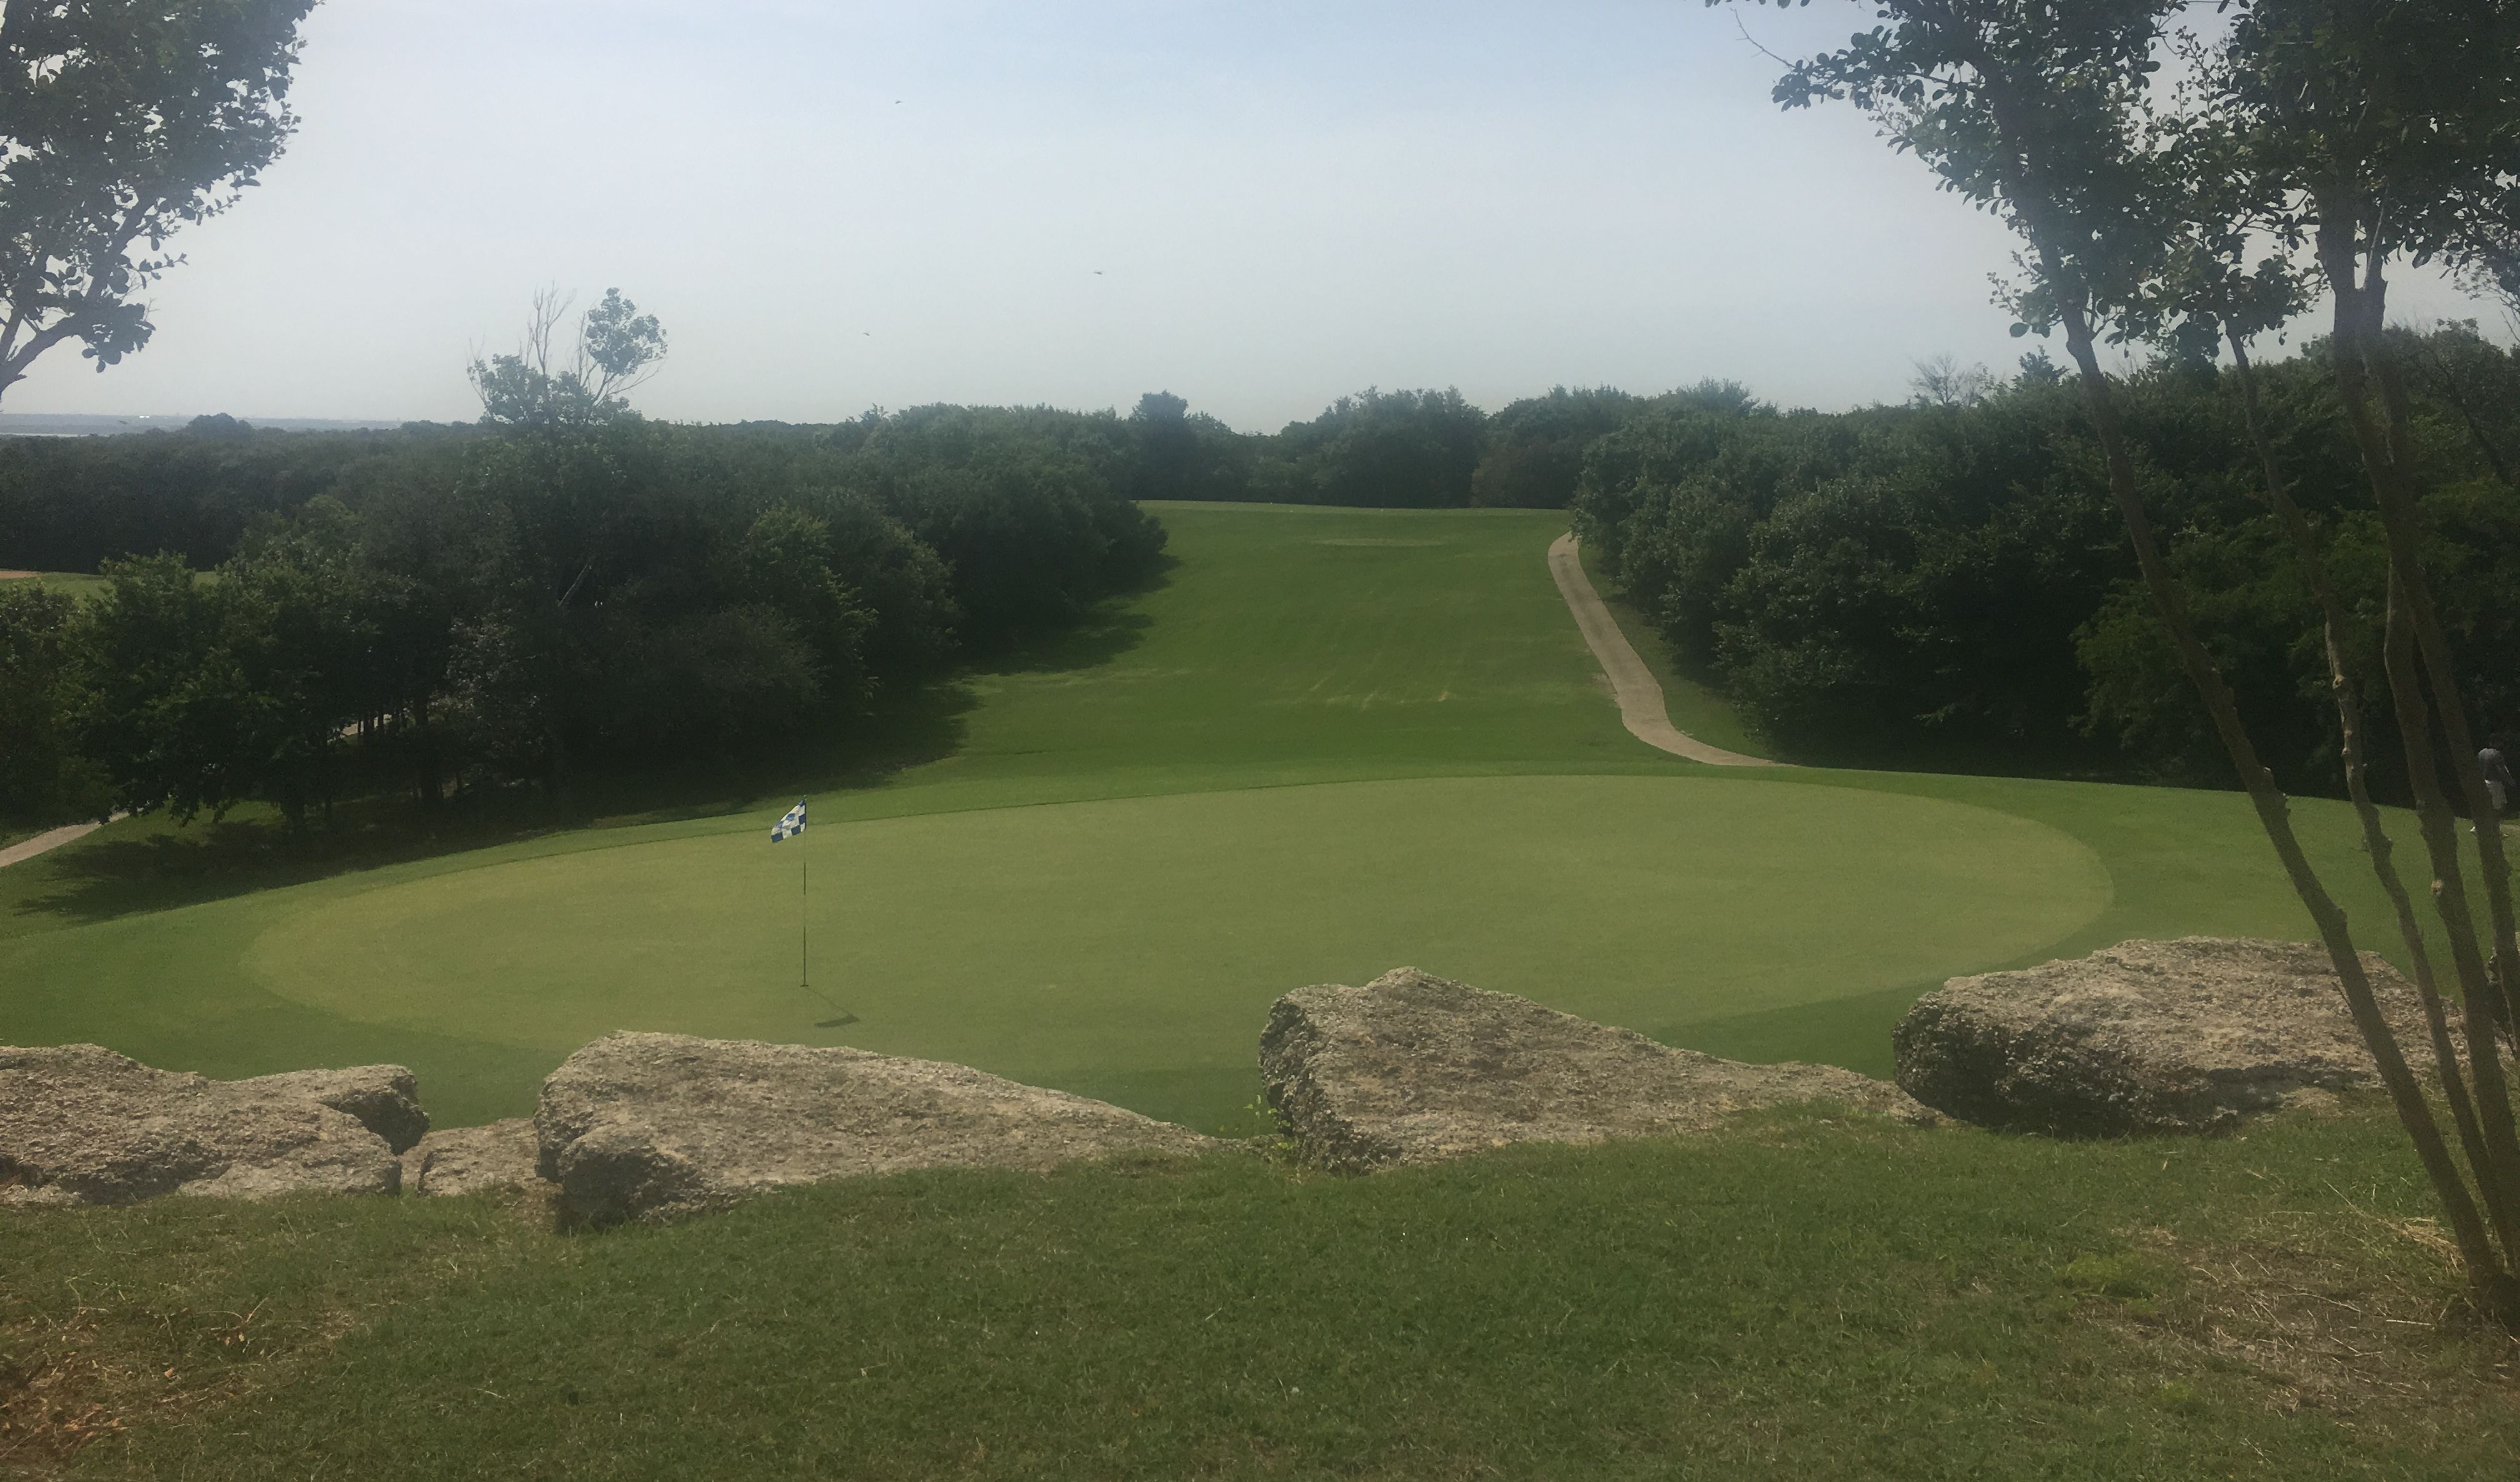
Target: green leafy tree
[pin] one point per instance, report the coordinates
(44, 777)
(2394, 120)
(238, 686)
(120, 123)
(1393, 449)
(163, 722)
(543, 386)
(786, 560)
(1535, 446)
(1182, 454)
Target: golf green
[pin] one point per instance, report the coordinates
(1150, 934)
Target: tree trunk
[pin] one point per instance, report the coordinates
(2349, 725)
(425, 740)
(2361, 363)
(2495, 1286)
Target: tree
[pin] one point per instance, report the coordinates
(617, 350)
(785, 563)
(1392, 449)
(1940, 380)
(120, 123)
(1535, 446)
(1181, 454)
(2392, 121)
(43, 777)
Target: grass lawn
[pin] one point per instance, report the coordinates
(1333, 742)
(81, 584)
(1802, 1298)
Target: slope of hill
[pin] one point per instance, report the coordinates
(1331, 742)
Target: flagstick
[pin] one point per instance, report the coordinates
(804, 979)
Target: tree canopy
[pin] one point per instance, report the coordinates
(120, 123)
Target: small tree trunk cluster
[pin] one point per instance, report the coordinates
(2479, 1188)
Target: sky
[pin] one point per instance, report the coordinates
(1258, 208)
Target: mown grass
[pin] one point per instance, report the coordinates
(1809, 1296)
(79, 584)
(1493, 821)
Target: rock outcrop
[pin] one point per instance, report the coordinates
(82, 1125)
(2179, 1035)
(656, 1126)
(386, 1099)
(1411, 1067)
(475, 1159)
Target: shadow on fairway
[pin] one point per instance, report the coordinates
(1102, 633)
(165, 864)
(171, 864)
(253, 850)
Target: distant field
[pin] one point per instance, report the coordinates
(1333, 742)
(75, 583)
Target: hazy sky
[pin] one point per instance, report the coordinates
(1257, 207)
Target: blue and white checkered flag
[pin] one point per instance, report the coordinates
(793, 824)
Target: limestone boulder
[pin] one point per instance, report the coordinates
(386, 1099)
(458, 1160)
(2148, 1037)
(82, 1125)
(1412, 1067)
(657, 1126)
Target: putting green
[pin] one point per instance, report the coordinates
(1087, 943)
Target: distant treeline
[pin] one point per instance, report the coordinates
(1947, 583)
(1942, 583)
(290, 616)
(70, 504)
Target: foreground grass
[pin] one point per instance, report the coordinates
(1805, 1298)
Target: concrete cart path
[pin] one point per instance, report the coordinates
(26, 849)
(1639, 694)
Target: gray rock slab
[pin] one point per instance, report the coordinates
(1412, 1068)
(2148, 1036)
(386, 1099)
(82, 1125)
(458, 1160)
(657, 1126)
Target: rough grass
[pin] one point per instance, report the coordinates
(1807, 1296)
(1493, 821)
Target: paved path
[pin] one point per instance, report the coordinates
(28, 849)
(1641, 705)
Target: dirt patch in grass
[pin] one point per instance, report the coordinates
(2365, 1321)
(50, 1408)
(68, 1383)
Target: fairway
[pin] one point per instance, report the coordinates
(1331, 742)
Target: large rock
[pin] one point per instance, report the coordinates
(2181, 1036)
(475, 1159)
(1412, 1067)
(656, 1126)
(386, 1099)
(82, 1125)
